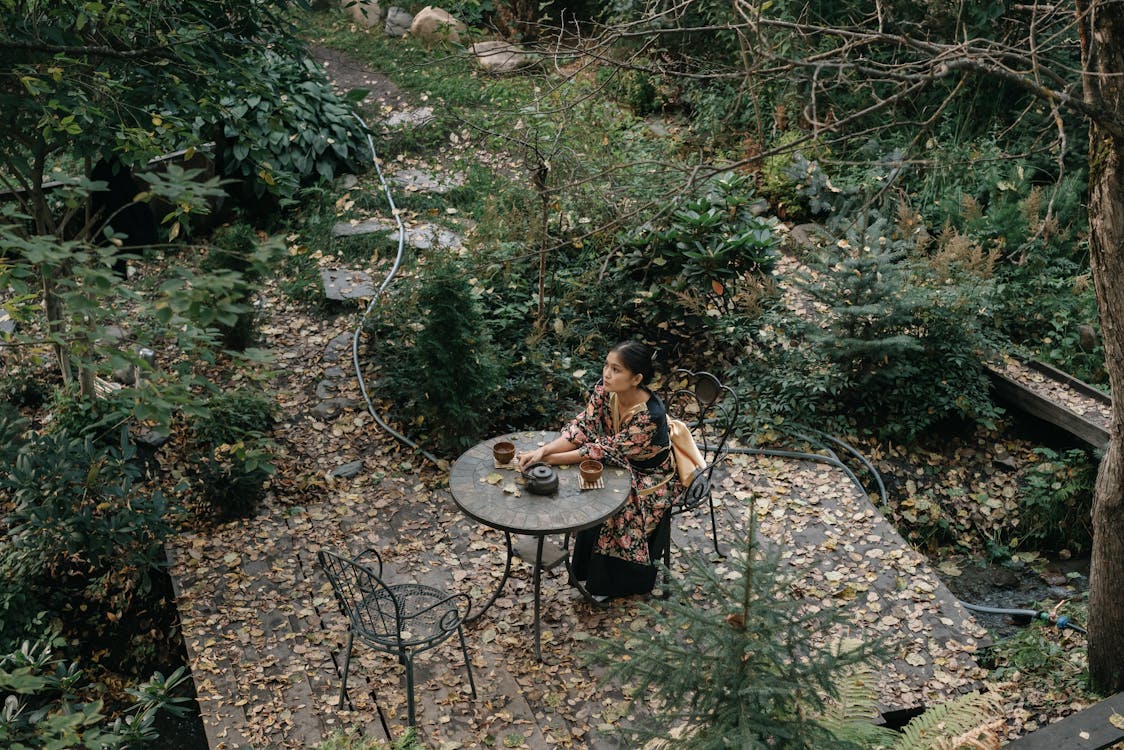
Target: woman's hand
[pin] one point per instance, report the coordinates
(535, 456)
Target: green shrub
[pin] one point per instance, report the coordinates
(746, 652)
(82, 537)
(51, 704)
(700, 261)
(234, 451)
(1044, 305)
(282, 126)
(102, 419)
(643, 91)
(1055, 501)
(445, 376)
(25, 385)
(236, 249)
(894, 340)
(1039, 653)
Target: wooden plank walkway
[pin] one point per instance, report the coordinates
(1053, 396)
(263, 634)
(1097, 727)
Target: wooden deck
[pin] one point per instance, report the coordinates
(263, 633)
(1096, 728)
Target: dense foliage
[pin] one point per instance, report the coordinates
(51, 704)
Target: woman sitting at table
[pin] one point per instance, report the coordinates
(625, 423)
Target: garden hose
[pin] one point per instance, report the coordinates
(831, 459)
(374, 300)
(1061, 622)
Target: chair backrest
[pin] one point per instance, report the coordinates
(368, 603)
(711, 410)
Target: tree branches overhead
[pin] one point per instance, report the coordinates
(854, 58)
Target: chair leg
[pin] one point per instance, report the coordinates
(346, 663)
(714, 527)
(665, 592)
(467, 665)
(408, 660)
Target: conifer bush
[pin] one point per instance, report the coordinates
(449, 376)
(733, 660)
(893, 342)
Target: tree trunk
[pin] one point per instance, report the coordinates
(52, 306)
(1102, 53)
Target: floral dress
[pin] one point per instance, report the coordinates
(637, 438)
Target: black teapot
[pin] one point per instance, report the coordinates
(541, 479)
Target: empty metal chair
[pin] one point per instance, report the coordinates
(402, 619)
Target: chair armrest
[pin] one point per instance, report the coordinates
(370, 552)
(454, 617)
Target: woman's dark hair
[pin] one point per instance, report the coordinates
(638, 358)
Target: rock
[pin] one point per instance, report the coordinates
(344, 283)
(113, 334)
(331, 407)
(397, 22)
(348, 181)
(500, 57)
(435, 26)
(417, 180)
(1006, 462)
(325, 389)
(759, 207)
(419, 237)
(364, 12)
(1087, 337)
(429, 236)
(808, 236)
(410, 118)
(125, 375)
(151, 439)
(348, 470)
(338, 347)
(7, 325)
(658, 127)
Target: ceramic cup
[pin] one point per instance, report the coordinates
(590, 470)
(503, 452)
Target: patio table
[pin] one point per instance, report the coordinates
(506, 505)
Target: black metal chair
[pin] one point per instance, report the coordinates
(710, 409)
(402, 619)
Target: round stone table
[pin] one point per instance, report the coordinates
(498, 497)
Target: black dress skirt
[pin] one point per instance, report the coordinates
(610, 576)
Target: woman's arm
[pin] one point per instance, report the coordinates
(558, 451)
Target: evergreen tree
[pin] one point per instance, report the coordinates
(733, 661)
(905, 342)
(453, 365)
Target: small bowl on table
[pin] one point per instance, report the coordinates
(503, 452)
(590, 470)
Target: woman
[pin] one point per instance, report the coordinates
(626, 423)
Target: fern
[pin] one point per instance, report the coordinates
(967, 722)
(850, 715)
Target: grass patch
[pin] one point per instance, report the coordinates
(448, 74)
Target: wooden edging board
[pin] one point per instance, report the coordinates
(1037, 405)
(1095, 728)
